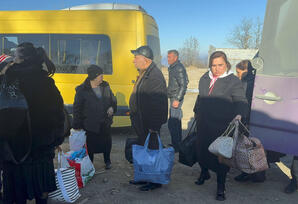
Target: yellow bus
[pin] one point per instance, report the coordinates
(75, 37)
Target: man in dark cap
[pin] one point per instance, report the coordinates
(93, 111)
(148, 103)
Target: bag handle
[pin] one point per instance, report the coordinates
(229, 129)
(191, 127)
(61, 185)
(148, 138)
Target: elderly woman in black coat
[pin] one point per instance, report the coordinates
(93, 111)
(28, 148)
(221, 100)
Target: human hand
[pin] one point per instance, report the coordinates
(6, 68)
(175, 104)
(153, 131)
(59, 148)
(238, 117)
(110, 111)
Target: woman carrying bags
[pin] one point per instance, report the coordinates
(221, 100)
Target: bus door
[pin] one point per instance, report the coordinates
(274, 115)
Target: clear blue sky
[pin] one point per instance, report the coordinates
(208, 20)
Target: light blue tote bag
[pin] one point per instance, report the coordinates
(153, 166)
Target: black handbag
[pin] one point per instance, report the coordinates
(11, 98)
(187, 150)
(128, 148)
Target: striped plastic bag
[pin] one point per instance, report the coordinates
(67, 187)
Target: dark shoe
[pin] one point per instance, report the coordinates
(220, 195)
(150, 187)
(243, 177)
(201, 180)
(137, 182)
(108, 166)
(292, 187)
(258, 177)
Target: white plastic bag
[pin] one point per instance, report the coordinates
(77, 139)
(62, 158)
(87, 169)
(84, 170)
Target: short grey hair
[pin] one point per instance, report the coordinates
(175, 52)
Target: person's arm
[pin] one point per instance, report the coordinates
(240, 101)
(57, 111)
(182, 80)
(113, 103)
(78, 106)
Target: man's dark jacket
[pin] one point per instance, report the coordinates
(178, 81)
(151, 100)
(90, 111)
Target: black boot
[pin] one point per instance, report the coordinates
(220, 194)
(137, 182)
(243, 177)
(203, 176)
(292, 187)
(150, 187)
(258, 177)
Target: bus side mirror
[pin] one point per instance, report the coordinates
(257, 63)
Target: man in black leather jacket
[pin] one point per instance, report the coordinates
(177, 86)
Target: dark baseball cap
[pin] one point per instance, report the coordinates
(143, 50)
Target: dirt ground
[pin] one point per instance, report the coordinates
(111, 186)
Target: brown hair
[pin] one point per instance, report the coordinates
(244, 65)
(218, 54)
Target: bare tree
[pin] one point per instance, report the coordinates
(189, 53)
(258, 29)
(247, 34)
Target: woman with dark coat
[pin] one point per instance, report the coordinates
(221, 100)
(93, 110)
(246, 73)
(35, 176)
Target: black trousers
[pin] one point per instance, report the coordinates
(106, 156)
(142, 132)
(100, 143)
(220, 173)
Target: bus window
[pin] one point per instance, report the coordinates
(279, 46)
(74, 53)
(153, 43)
(10, 41)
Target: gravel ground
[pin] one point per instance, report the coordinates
(111, 186)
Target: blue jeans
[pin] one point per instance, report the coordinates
(174, 124)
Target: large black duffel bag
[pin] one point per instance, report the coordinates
(187, 150)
